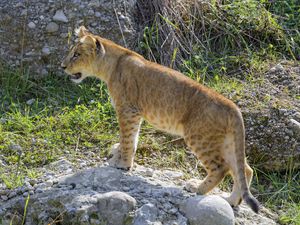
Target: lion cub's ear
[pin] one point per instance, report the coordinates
(81, 31)
(94, 43)
(88, 40)
(100, 48)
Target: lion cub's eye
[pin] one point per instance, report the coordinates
(76, 55)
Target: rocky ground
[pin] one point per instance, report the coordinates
(37, 33)
(79, 194)
(271, 109)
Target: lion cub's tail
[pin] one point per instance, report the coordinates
(241, 161)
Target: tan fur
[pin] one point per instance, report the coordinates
(211, 125)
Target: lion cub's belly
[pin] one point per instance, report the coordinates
(165, 122)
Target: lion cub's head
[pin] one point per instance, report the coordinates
(81, 60)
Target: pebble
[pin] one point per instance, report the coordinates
(149, 172)
(49, 183)
(94, 3)
(98, 14)
(94, 24)
(30, 101)
(4, 197)
(15, 147)
(295, 126)
(32, 182)
(4, 191)
(173, 174)
(31, 25)
(297, 116)
(46, 50)
(52, 27)
(60, 16)
(12, 194)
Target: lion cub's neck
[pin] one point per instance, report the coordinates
(107, 65)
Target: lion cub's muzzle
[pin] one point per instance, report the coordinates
(75, 76)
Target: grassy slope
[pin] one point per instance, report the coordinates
(42, 120)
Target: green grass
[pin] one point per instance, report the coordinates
(60, 118)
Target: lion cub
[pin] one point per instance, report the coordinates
(211, 125)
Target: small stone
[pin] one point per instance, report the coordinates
(295, 126)
(44, 72)
(31, 25)
(126, 188)
(60, 16)
(46, 50)
(39, 190)
(146, 215)
(30, 101)
(91, 12)
(41, 186)
(15, 147)
(297, 116)
(173, 174)
(279, 67)
(94, 3)
(149, 172)
(83, 164)
(49, 183)
(94, 24)
(32, 182)
(52, 27)
(4, 197)
(98, 14)
(12, 194)
(4, 191)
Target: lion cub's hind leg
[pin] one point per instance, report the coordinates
(129, 123)
(207, 148)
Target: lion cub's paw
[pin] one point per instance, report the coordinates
(192, 185)
(116, 159)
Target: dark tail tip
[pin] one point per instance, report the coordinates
(251, 201)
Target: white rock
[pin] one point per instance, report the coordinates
(295, 126)
(12, 194)
(31, 25)
(46, 50)
(30, 101)
(149, 172)
(52, 27)
(60, 16)
(98, 14)
(94, 3)
(207, 210)
(146, 215)
(4, 198)
(49, 183)
(173, 174)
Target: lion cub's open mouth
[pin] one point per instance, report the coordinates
(76, 76)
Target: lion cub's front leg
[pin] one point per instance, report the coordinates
(123, 154)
